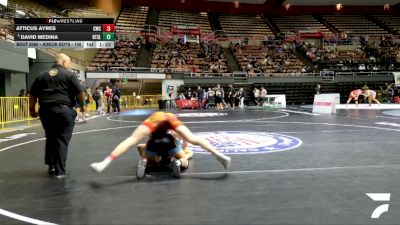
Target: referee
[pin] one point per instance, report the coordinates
(56, 90)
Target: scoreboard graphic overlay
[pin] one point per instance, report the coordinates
(64, 33)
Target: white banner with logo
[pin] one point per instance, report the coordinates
(396, 78)
(278, 101)
(325, 103)
(126, 75)
(336, 97)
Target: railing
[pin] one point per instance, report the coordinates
(335, 41)
(136, 69)
(128, 102)
(54, 52)
(14, 110)
(296, 74)
(140, 101)
(149, 29)
(208, 74)
(360, 74)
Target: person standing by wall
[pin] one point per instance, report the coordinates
(56, 90)
(98, 98)
(231, 96)
(240, 96)
(318, 89)
(263, 95)
(108, 94)
(200, 97)
(256, 95)
(116, 95)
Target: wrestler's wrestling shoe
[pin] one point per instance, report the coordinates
(141, 168)
(98, 167)
(176, 167)
(224, 160)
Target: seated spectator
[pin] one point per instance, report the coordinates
(181, 96)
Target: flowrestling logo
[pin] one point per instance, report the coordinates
(323, 103)
(379, 197)
(200, 114)
(243, 142)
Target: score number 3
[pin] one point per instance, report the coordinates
(108, 28)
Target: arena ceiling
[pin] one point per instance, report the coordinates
(344, 2)
(242, 1)
(272, 7)
(319, 2)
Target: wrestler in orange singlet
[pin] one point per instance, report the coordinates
(157, 121)
(354, 95)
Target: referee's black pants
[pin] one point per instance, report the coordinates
(116, 106)
(58, 122)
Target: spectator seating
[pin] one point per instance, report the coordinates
(378, 54)
(297, 23)
(269, 59)
(169, 18)
(244, 26)
(392, 21)
(338, 60)
(354, 25)
(75, 9)
(132, 19)
(80, 9)
(6, 29)
(190, 57)
(122, 57)
(27, 5)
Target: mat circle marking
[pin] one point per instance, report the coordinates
(207, 114)
(243, 142)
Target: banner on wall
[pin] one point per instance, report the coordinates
(170, 90)
(325, 103)
(3, 2)
(125, 75)
(396, 79)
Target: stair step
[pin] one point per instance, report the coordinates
(231, 61)
(144, 58)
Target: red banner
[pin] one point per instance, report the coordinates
(189, 104)
(185, 30)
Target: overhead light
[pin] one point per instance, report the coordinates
(64, 11)
(339, 6)
(236, 4)
(183, 1)
(386, 6)
(20, 12)
(287, 6)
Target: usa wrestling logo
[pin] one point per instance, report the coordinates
(243, 142)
